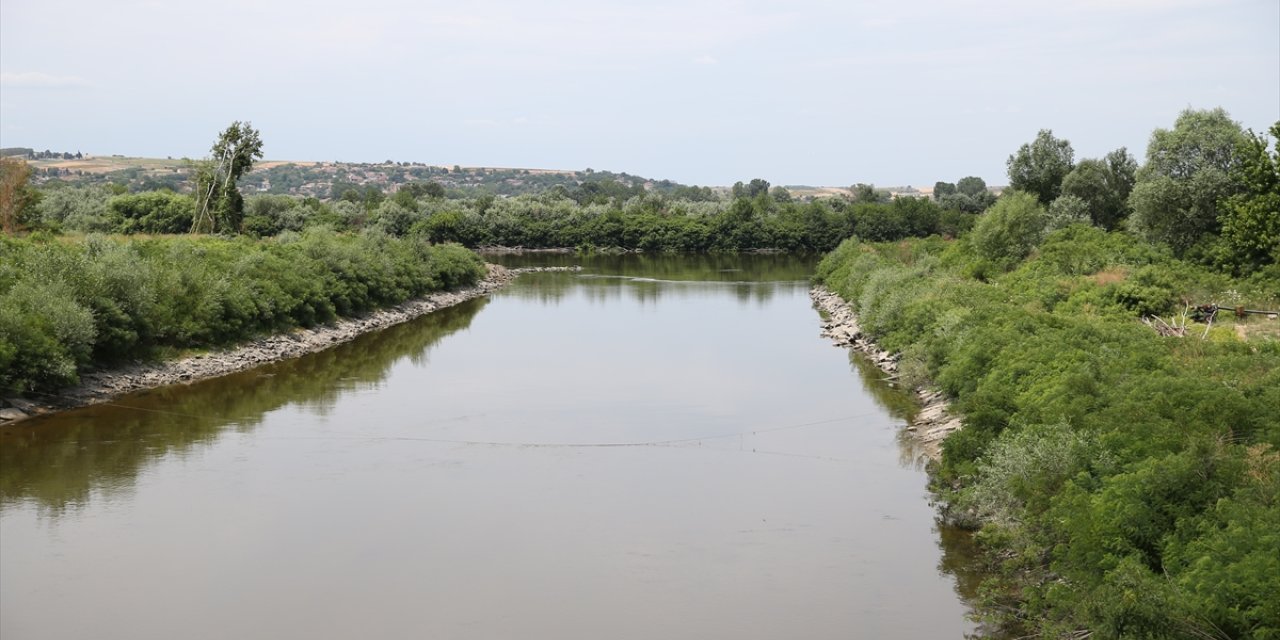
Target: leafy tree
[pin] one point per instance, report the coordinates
(393, 219)
(1039, 166)
(1010, 229)
(970, 196)
(942, 190)
(868, 194)
(780, 194)
(1067, 210)
(1188, 173)
(1251, 219)
(16, 195)
(972, 186)
(1104, 185)
(430, 189)
(755, 188)
(219, 205)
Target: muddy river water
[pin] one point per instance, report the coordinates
(653, 447)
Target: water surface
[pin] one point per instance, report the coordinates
(656, 447)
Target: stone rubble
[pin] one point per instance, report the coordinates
(934, 422)
(101, 386)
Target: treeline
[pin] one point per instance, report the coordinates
(68, 303)
(1125, 484)
(588, 216)
(1209, 190)
(32, 154)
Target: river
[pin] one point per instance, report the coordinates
(654, 447)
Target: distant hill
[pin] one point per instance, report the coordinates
(325, 180)
(328, 180)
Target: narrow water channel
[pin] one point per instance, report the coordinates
(649, 448)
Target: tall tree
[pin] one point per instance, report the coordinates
(1187, 174)
(16, 195)
(1104, 185)
(868, 194)
(972, 186)
(1251, 219)
(219, 205)
(1039, 166)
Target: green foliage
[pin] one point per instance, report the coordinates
(75, 208)
(44, 334)
(219, 205)
(1040, 166)
(151, 212)
(1126, 484)
(429, 189)
(1104, 185)
(754, 189)
(969, 195)
(268, 215)
(1008, 231)
(17, 198)
(67, 304)
(1251, 219)
(1188, 173)
(1066, 210)
(1021, 472)
(868, 194)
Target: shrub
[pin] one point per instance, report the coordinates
(1008, 231)
(151, 212)
(64, 305)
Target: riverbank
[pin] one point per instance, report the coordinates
(934, 421)
(104, 385)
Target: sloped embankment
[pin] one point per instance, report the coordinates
(934, 422)
(103, 385)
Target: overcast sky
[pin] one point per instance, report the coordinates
(698, 91)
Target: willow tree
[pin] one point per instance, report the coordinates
(1189, 172)
(219, 205)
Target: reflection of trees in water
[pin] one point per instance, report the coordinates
(723, 267)
(60, 460)
(753, 278)
(899, 402)
(961, 558)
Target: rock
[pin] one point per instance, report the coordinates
(933, 423)
(22, 404)
(10, 414)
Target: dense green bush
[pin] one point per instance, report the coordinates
(68, 303)
(77, 208)
(1008, 231)
(1127, 485)
(151, 212)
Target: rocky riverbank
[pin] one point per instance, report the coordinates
(934, 422)
(102, 386)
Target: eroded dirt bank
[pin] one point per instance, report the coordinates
(934, 421)
(103, 385)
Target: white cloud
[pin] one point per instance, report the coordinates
(38, 79)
